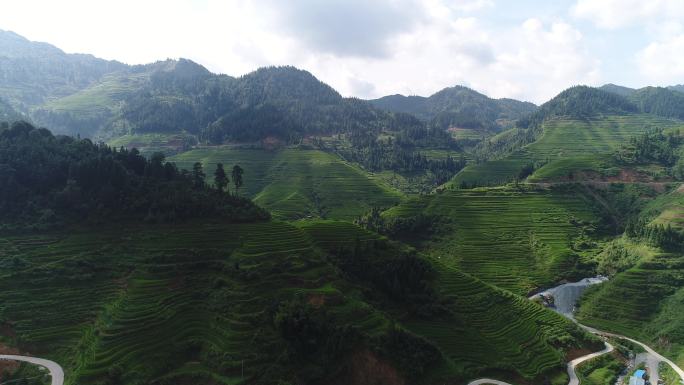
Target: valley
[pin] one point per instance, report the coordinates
(170, 225)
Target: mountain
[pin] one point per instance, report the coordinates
(678, 88)
(616, 89)
(178, 96)
(666, 102)
(579, 102)
(659, 101)
(32, 73)
(458, 107)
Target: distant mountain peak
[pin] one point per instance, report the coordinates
(14, 45)
(458, 106)
(617, 89)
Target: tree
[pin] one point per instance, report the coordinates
(237, 177)
(198, 175)
(220, 178)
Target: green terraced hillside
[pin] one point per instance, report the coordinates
(297, 183)
(485, 324)
(197, 303)
(668, 209)
(147, 144)
(645, 302)
(518, 239)
(566, 147)
(101, 98)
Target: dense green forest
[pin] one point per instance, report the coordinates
(47, 181)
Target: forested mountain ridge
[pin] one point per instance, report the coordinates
(459, 107)
(177, 96)
(617, 89)
(579, 102)
(80, 94)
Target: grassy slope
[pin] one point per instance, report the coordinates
(668, 209)
(569, 146)
(516, 239)
(295, 183)
(169, 304)
(102, 98)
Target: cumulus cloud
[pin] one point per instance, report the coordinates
(663, 61)
(346, 27)
(362, 48)
(532, 60)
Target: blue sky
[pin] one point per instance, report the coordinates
(529, 49)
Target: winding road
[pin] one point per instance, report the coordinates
(650, 350)
(574, 380)
(566, 310)
(55, 370)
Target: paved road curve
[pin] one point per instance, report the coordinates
(573, 364)
(55, 370)
(574, 380)
(674, 366)
(571, 369)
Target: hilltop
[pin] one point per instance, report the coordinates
(34, 73)
(459, 107)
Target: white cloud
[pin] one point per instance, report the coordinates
(532, 61)
(613, 14)
(663, 61)
(425, 46)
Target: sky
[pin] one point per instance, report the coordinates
(523, 49)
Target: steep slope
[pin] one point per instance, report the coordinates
(659, 101)
(644, 301)
(458, 107)
(579, 130)
(175, 97)
(579, 102)
(263, 303)
(172, 96)
(564, 150)
(517, 239)
(32, 73)
(667, 209)
(667, 102)
(295, 183)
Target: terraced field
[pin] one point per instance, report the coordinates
(194, 304)
(488, 329)
(644, 302)
(148, 144)
(566, 146)
(100, 99)
(167, 305)
(296, 183)
(519, 240)
(668, 209)
(493, 325)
